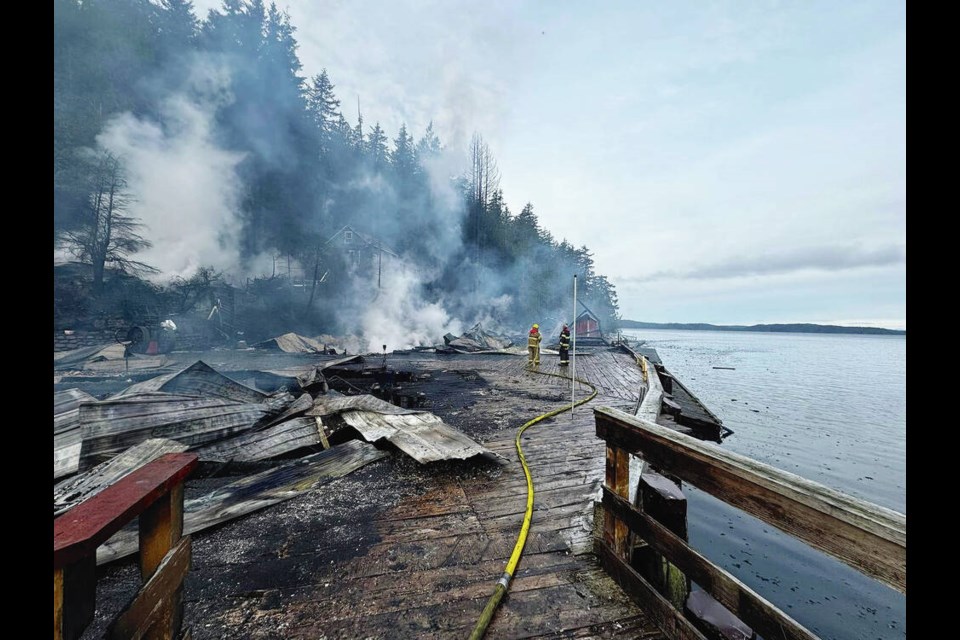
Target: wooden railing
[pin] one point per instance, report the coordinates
(869, 538)
(153, 492)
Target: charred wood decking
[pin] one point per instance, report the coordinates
(398, 550)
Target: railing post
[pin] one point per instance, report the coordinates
(661, 498)
(615, 531)
(74, 598)
(161, 527)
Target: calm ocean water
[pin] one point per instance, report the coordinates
(830, 408)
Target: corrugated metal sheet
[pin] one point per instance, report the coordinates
(476, 339)
(74, 358)
(299, 406)
(66, 430)
(255, 492)
(292, 343)
(107, 358)
(114, 425)
(66, 401)
(329, 404)
(66, 452)
(71, 492)
(420, 434)
(199, 379)
(423, 436)
(271, 442)
(196, 406)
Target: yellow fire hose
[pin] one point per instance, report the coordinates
(503, 584)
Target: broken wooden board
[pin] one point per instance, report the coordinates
(69, 493)
(66, 430)
(255, 492)
(271, 442)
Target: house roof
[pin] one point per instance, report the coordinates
(364, 239)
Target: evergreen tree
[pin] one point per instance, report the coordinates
(107, 235)
(324, 108)
(403, 160)
(429, 145)
(377, 152)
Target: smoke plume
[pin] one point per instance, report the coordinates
(184, 186)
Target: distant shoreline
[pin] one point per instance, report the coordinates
(773, 328)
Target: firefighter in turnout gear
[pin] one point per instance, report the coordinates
(564, 346)
(533, 346)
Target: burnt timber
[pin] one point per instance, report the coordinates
(395, 550)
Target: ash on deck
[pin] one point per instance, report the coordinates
(401, 550)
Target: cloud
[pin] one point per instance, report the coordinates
(823, 258)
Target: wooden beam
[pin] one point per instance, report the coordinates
(868, 537)
(149, 606)
(77, 597)
(79, 531)
(161, 526)
(741, 600)
(618, 480)
(662, 500)
(58, 604)
(670, 621)
(649, 409)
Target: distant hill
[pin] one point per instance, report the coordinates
(776, 328)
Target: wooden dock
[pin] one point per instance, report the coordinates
(400, 550)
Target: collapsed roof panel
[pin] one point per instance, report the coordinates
(199, 379)
(111, 426)
(477, 340)
(255, 492)
(75, 358)
(65, 402)
(420, 434)
(105, 358)
(271, 442)
(292, 343)
(66, 453)
(299, 406)
(423, 436)
(328, 405)
(66, 430)
(71, 492)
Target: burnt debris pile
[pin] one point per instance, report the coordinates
(276, 432)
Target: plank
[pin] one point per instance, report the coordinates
(146, 607)
(670, 621)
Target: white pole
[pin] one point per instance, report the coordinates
(573, 348)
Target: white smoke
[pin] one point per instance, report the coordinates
(185, 187)
(400, 319)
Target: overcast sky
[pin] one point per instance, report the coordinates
(726, 162)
